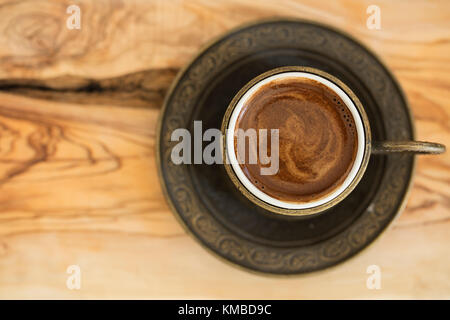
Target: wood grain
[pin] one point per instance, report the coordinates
(78, 180)
(145, 89)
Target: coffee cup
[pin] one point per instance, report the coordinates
(315, 129)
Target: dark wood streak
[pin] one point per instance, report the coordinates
(145, 234)
(3, 248)
(422, 223)
(445, 199)
(424, 205)
(144, 89)
(40, 147)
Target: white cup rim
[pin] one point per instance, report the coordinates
(352, 175)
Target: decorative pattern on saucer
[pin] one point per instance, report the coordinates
(223, 220)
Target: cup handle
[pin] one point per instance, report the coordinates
(419, 147)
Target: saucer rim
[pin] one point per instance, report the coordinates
(203, 49)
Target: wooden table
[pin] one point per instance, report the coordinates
(78, 178)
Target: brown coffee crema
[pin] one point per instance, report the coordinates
(317, 138)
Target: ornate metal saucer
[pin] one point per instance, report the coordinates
(205, 200)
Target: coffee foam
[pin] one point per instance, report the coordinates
(318, 139)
